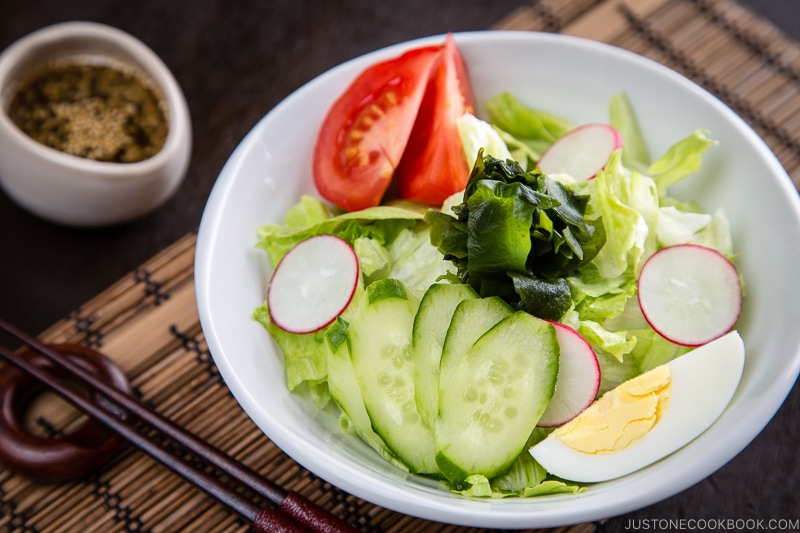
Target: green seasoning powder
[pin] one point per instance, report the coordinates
(93, 111)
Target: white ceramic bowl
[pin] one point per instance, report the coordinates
(72, 190)
(572, 77)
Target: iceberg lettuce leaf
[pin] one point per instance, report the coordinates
(533, 127)
(597, 297)
(652, 350)
(615, 343)
(717, 234)
(628, 203)
(415, 262)
(306, 213)
(311, 217)
(477, 134)
(526, 154)
(526, 478)
(635, 155)
(677, 227)
(304, 357)
(680, 160)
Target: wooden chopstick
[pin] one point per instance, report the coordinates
(293, 513)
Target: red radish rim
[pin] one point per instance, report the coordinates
(346, 301)
(671, 338)
(595, 385)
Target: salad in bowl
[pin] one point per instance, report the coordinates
(463, 288)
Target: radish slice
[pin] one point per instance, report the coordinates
(578, 378)
(690, 294)
(312, 284)
(581, 152)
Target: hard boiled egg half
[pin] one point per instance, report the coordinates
(647, 417)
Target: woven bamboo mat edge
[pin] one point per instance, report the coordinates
(147, 322)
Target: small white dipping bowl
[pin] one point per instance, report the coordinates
(574, 78)
(73, 190)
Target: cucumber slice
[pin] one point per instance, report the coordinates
(492, 395)
(346, 393)
(380, 344)
(471, 319)
(430, 327)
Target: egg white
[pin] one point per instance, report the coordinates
(703, 383)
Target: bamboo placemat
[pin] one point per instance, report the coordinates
(148, 322)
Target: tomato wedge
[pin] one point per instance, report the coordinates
(433, 165)
(367, 129)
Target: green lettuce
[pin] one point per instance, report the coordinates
(477, 135)
(717, 234)
(676, 226)
(311, 217)
(680, 160)
(628, 203)
(304, 358)
(534, 128)
(621, 117)
(525, 478)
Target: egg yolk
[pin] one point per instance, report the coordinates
(621, 416)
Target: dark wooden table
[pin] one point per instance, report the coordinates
(235, 61)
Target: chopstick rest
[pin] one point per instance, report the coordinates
(73, 455)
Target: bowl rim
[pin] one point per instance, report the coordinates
(94, 33)
(468, 512)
